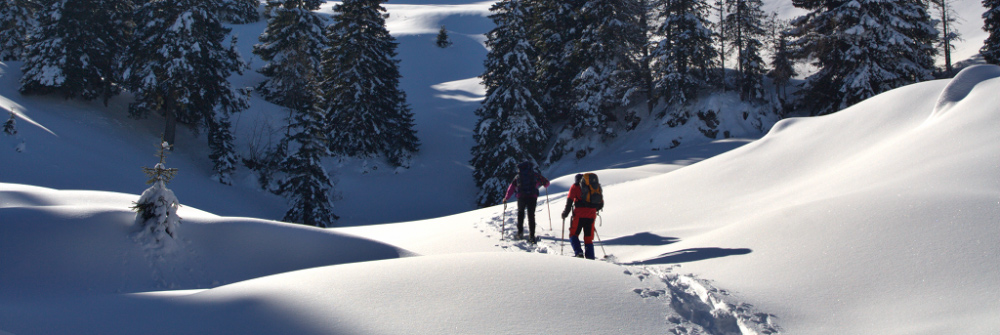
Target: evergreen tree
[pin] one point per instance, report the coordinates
(745, 29)
(684, 53)
(782, 67)
(947, 20)
(366, 112)
(553, 35)
(156, 210)
(442, 38)
(862, 48)
(608, 46)
(991, 24)
(10, 127)
(510, 128)
(17, 18)
(73, 50)
(238, 11)
(292, 44)
(306, 183)
(179, 67)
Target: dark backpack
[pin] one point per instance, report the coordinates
(590, 192)
(527, 180)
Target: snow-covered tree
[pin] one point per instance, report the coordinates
(683, 54)
(553, 36)
(862, 48)
(991, 24)
(782, 67)
(156, 210)
(366, 112)
(510, 128)
(292, 45)
(608, 48)
(10, 127)
(442, 38)
(238, 11)
(306, 183)
(74, 49)
(179, 67)
(17, 18)
(745, 30)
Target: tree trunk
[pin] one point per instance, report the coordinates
(170, 115)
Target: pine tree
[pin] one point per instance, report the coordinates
(366, 112)
(862, 48)
(684, 53)
(238, 11)
(947, 20)
(553, 35)
(782, 67)
(156, 210)
(442, 38)
(745, 29)
(306, 183)
(179, 67)
(17, 18)
(10, 127)
(608, 45)
(73, 50)
(292, 44)
(510, 128)
(991, 24)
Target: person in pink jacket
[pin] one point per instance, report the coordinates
(525, 188)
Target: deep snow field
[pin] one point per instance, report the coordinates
(880, 219)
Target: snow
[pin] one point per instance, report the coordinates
(879, 219)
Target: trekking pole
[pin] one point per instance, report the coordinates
(503, 220)
(562, 240)
(549, 206)
(601, 242)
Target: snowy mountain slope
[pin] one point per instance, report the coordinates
(55, 243)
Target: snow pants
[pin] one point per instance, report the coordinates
(586, 226)
(526, 204)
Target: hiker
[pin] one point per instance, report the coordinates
(525, 188)
(584, 199)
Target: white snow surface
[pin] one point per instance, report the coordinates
(880, 219)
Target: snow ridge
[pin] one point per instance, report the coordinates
(961, 86)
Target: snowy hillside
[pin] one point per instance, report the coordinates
(880, 219)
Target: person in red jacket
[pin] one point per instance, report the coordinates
(525, 187)
(584, 214)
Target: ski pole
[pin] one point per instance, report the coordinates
(601, 242)
(562, 240)
(503, 220)
(549, 206)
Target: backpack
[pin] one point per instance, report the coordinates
(527, 180)
(590, 192)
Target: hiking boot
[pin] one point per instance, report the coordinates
(578, 255)
(531, 239)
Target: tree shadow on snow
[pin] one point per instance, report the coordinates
(693, 255)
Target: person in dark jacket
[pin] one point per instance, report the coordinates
(525, 188)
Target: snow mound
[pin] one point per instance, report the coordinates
(89, 245)
(963, 84)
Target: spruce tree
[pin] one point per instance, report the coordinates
(73, 50)
(745, 29)
(947, 20)
(292, 46)
(10, 127)
(608, 46)
(17, 18)
(366, 112)
(238, 11)
(156, 210)
(179, 67)
(306, 183)
(553, 35)
(442, 38)
(510, 128)
(991, 24)
(862, 48)
(684, 53)
(782, 67)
